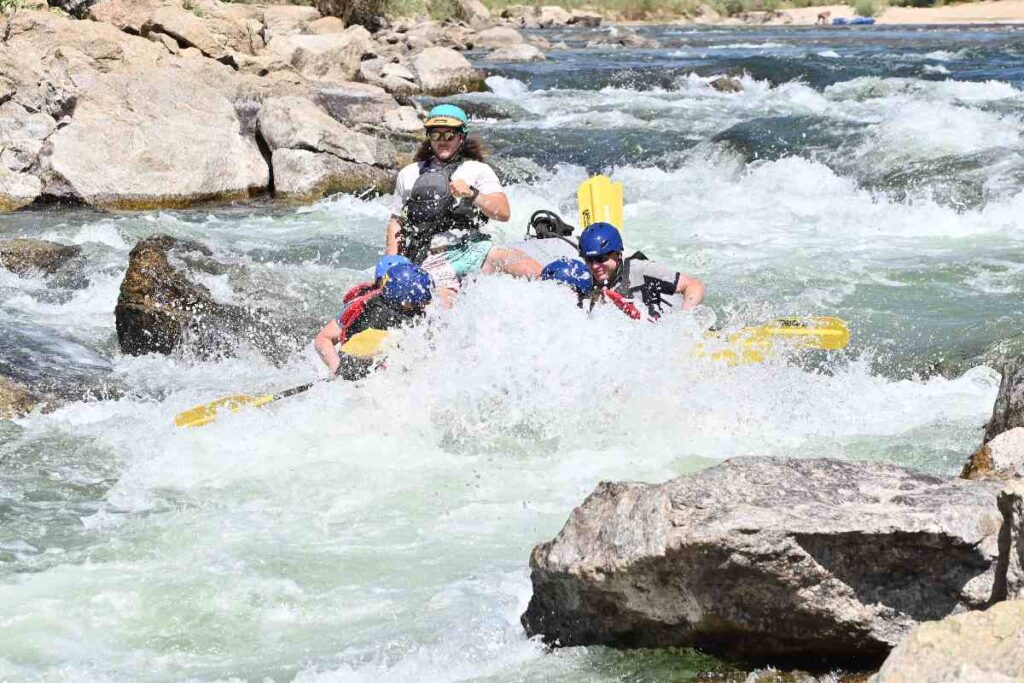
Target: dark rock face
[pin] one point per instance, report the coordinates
(26, 255)
(781, 560)
(159, 309)
(1009, 408)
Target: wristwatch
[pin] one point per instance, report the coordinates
(474, 195)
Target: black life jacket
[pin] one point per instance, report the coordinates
(431, 209)
(650, 291)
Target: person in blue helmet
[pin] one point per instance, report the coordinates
(402, 299)
(634, 284)
(570, 272)
(443, 200)
(384, 264)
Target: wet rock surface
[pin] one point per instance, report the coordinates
(770, 559)
(24, 256)
(160, 310)
(1008, 411)
(15, 399)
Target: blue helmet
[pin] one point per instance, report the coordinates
(407, 283)
(571, 272)
(600, 239)
(447, 116)
(386, 263)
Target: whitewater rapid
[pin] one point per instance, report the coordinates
(381, 531)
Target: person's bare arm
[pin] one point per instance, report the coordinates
(391, 237)
(493, 205)
(325, 343)
(692, 290)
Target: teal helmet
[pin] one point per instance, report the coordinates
(447, 116)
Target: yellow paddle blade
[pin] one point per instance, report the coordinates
(818, 332)
(755, 344)
(207, 413)
(600, 200)
(366, 344)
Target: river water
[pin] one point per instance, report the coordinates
(381, 532)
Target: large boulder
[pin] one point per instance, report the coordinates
(499, 36)
(517, 53)
(390, 73)
(325, 57)
(351, 161)
(158, 137)
(977, 647)
(24, 256)
(442, 71)
(213, 36)
(584, 19)
(368, 106)
(1008, 411)
(769, 559)
(301, 175)
(160, 310)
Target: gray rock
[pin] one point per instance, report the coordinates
(1008, 411)
(550, 16)
(330, 56)
(23, 256)
(289, 20)
(333, 158)
(159, 137)
(726, 84)
(168, 42)
(517, 53)
(368, 106)
(978, 647)
(15, 399)
(1011, 505)
(769, 558)
(301, 175)
(21, 135)
(442, 71)
(584, 19)
(473, 12)
(17, 189)
(297, 123)
(326, 25)
(1000, 458)
(499, 36)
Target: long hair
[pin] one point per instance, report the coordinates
(472, 148)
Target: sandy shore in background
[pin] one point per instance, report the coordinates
(989, 12)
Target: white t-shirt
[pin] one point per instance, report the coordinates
(476, 174)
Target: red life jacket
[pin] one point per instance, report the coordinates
(358, 291)
(355, 308)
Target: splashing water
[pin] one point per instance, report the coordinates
(381, 530)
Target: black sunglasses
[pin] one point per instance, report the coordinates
(596, 258)
(442, 135)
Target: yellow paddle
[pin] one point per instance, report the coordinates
(755, 344)
(600, 200)
(366, 344)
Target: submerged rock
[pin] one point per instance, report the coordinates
(517, 53)
(27, 255)
(978, 647)
(726, 84)
(160, 310)
(769, 559)
(15, 399)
